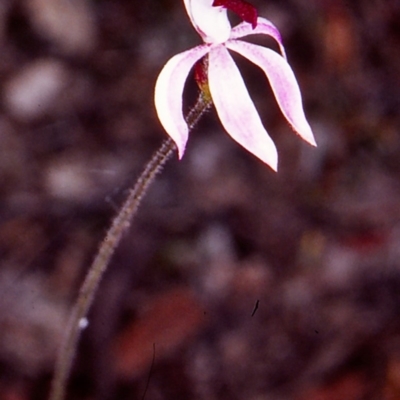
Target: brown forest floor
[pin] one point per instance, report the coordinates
(316, 246)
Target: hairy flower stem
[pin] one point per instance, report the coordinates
(119, 226)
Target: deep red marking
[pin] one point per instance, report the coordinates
(243, 9)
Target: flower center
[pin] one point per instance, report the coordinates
(242, 8)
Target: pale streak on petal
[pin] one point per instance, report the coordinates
(235, 108)
(211, 23)
(168, 94)
(283, 84)
(264, 27)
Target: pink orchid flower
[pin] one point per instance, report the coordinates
(229, 94)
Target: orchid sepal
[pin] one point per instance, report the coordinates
(225, 85)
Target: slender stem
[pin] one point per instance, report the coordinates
(119, 226)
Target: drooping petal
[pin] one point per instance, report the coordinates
(211, 23)
(235, 108)
(264, 27)
(168, 94)
(283, 84)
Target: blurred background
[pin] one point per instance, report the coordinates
(234, 282)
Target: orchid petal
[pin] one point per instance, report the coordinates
(168, 94)
(235, 108)
(211, 23)
(264, 27)
(283, 84)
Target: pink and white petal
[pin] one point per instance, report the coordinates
(168, 94)
(283, 83)
(211, 23)
(235, 108)
(264, 27)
